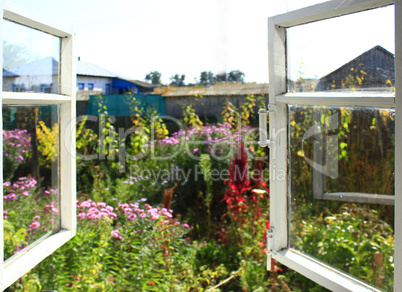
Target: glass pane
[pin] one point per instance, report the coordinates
(342, 188)
(348, 53)
(30, 175)
(31, 59)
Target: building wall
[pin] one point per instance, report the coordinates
(32, 83)
(99, 82)
(121, 86)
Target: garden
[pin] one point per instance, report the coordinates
(188, 209)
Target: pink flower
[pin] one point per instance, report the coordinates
(25, 193)
(12, 196)
(109, 208)
(143, 215)
(101, 204)
(116, 234)
(85, 204)
(93, 210)
(34, 225)
(186, 225)
(112, 215)
(131, 217)
(81, 215)
(128, 210)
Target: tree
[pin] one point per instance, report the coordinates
(221, 77)
(236, 76)
(154, 77)
(177, 80)
(207, 78)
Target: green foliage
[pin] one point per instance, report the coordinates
(48, 143)
(207, 78)
(123, 254)
(225, 248)
(177, 80)
(351, 241)
(154, 77)
(231, 115)
(190, 117)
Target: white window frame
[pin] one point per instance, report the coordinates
(278, 237)
(12, 269)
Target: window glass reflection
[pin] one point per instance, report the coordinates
(342, 188)
(31, 59)
(30, 175)
(347, 53)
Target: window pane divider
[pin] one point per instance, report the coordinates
(321, 273)
(32, 257)
(34, 98)
(20, 15)
(326, 10)
(358, 197)
(338, 98)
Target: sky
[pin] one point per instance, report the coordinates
(132, 38)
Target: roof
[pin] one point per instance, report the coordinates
(7, 73)
(143, 83)
(89, 69)
(220, 90)
(372, 69)
(43, 67)
(374, 50)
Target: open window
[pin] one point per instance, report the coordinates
(38, 172)
(334, 139)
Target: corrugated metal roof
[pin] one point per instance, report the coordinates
(89, 69)
(220, 89)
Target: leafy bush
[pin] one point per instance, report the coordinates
(128, 247)
(355, 241)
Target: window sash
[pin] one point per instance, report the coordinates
(17, 266)
(278, 246)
